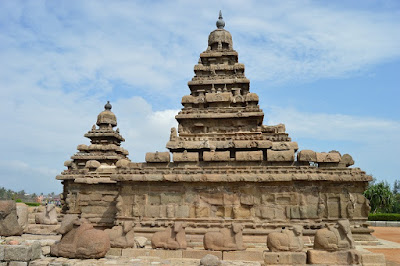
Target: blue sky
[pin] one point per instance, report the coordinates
(329, 70)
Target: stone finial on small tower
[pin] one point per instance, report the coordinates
(220, 21)
(108, 106)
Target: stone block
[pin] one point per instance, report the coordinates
(158, 157)
(216, 156)
(392, 224)
(17, 253)
(36, 250)
(284, 146)
(280, 156)
(165, 253)
(264, 144)
(345, 257)
(17, 263)
(243, 255)
(200, 253)
(218, 97)
(307, 156)
(22, 214)
(135, 252)
(1, 252)
(185, 156)
(3, 263)
(373, 259)
(328, 157)
(114, 252)
(288, 258)
(249, 156)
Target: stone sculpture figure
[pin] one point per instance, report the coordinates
(8, 219)
(82, 242)
(289, 239)
(172, 238)
(225, 239)
(49, 216)
(334, 245)
(334, 237)
(122, 236)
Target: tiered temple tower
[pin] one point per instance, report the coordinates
(221, 116)
(226, 167)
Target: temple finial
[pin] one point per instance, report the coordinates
(108, 106)
(220, 21)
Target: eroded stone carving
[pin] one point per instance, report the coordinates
(8, 219)
(173, 237)
(334, 237)
(158, 157)
(225, 239)
(49, 216)
(82, 242)
(289, 239)
(122, 236)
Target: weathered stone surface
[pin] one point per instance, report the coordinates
(334, 237)
(249, 156)
(216, 156)
(307, 156)
(225, 239)
(17, 263)
(243, 255)
(280, 156)
(210, 260)
(328, 157)
(284, 146)
(373, 259)
(140, 241)
(200, 253)
(9, 225)
(22, 252)
(284, 258)
(290, 239)
(123, 163)
(41, 229)
(171, 238)
(22, 214)
(82, 242)
(345, 257)
(185, 156)
(49, 216)
(122, 236)
(92, 164)
(158, 157)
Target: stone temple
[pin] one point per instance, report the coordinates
(226, 167)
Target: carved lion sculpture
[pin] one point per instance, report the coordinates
(83, 242)
(171, 238)
(49, 216)
(334, 237)
(225, 239)
(122, 236)
(287, 240)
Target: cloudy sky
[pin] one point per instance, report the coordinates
(329, 70)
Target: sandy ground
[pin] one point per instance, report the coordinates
(391, 234)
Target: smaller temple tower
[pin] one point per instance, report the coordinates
(105, 148)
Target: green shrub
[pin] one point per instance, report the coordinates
(18, 200)
(384, 217)
(32, 204)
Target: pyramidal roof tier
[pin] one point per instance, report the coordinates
(220, 108)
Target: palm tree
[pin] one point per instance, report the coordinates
(380, 197)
